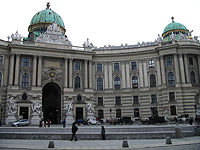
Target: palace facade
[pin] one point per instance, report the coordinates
(42, 74)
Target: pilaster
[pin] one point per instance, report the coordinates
(186, 68)
(86, 74)
(182, 69)
(106, 75)
(177, 71)
(70, 73)
(141, 73)
(90, 74)
(17, 69)
(66, 73)
(163, 70)
(39, 71)
(34, 71)
(11, 69)
(123, 75)
(128, 75)
(158, 71)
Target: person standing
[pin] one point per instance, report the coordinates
(103, 133)
(64, 123)
(74, 130)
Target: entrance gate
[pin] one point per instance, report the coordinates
(51, 102)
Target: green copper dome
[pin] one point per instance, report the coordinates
(42, 19)
(175, 28)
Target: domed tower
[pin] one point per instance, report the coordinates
(41, 20)
(174, 28)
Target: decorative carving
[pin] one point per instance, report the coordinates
(36, 107)
(68, 107)
(159, 39)
(11, 106)
(53, 35)
(90, 108)
(87, 44)
(16, 37)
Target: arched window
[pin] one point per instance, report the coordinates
(192, 77)
(99, 84)
(77, 82)
(134, 82)
(152, 79)
(100, 114)
(136, 112)
(25, 80)
(118, 113)
(171, 79)
(173, 110)
(117, 83)
(1, 79)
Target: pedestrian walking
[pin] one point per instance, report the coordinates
(103, 133)
(74, 130)
(64, 123)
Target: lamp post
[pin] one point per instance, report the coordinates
(1, 121)
(110, 112)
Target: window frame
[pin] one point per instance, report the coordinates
(100, 101)
(100, 113)
(136, 112)
(118, 100)
(171, 81)
(173, 110)
(99, 67)
(152, 81)
(136, 101)
(134, 84)
(133, 65)
(117, 83)
(154, 99)
(172, 97)
(26, 62)
(1, 60)
(99, 84)
(77, 84)
(77, 65)
(116, 66)
(151, 63)
(118, 113)
(25, 80)
(190, 60)
(192, 77)
(169, 61)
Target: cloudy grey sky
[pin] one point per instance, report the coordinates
(104, 21)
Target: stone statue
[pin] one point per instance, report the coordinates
(173, 36)
(16, 36)
(11, 106)
(88, 44)
(90, 108)
(36, 107)
(69, 107)
(159, 39)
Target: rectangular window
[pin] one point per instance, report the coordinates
(116, 66)
(99, 67)
(118, 100)
(1, 60)
(151, 63)
(169, 61)
(100, 100)
(26, 62)
(153, 98)
(77, 65)
(135, 100)
(100, 114)
(133, 65)
(118, 113)
(171, 96)
(191, 61)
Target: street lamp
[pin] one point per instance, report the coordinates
(1, 121)
(110, 112)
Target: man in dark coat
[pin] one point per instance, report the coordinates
(74, 130)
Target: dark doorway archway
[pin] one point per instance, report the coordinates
(51, 102)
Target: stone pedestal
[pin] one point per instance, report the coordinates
(35, 119)
(69, 118)
(91, 118)
(10, 118)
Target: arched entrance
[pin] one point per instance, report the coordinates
(51, 102)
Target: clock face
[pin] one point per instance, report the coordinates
(52, 74)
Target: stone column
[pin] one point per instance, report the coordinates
(198, 59)
(110, 76)
(141, 73)
(182, 69)
(163, 70)
(177, 71)
(145, 73)
(34, 70)
(86, 74)
(123, 76)
(70, 73)
(17, 70)
(90, 74)
(39, 71)
(186, 68)
(127, 75)
(11, 69)
(158, 71)
(106, 75)
(66, 73)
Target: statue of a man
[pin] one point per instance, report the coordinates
(90, 108)
(36, 106)
(11, 106)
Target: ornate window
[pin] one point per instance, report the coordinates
(100, 114)
(191, 61)
(1, 60)
(117, 83)
(118, 100)
(99, 67)
(118, 113)
(1, 79)
(154, 99)
(171, 78)
(133, 65)
(99, 84)
(26, 62)
(134, 82)
(116, 67)
(169, 61)
(171, 96)
(100, 101)
(77, 65)
(192, 77)
(135, 100)
(25, 80)
(136, 112)
(173, 110)
(151, 63)
(77, 82)
(152, 79)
